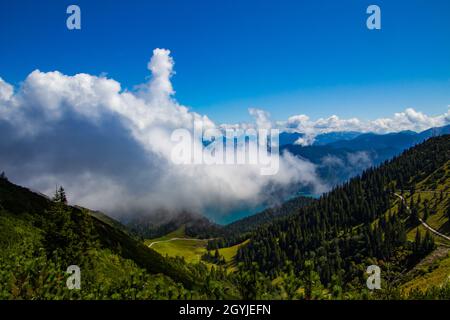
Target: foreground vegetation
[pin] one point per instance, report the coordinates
(40, 238)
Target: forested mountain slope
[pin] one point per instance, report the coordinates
(357, 224)
(40, 238)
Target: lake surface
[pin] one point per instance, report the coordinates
(245, 211)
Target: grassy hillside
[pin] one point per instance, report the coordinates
(178, 244)
(28, 273)
(178, 233)
(40, 238)
(434, 270)
(191, 250)
(230, 253)
(30, 206)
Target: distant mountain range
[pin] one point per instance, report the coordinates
(349, 138)
(341, 155)
(287, 138)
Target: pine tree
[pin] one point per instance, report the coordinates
(60, 196)
(68, 231)
(428, 243)
(58, 226)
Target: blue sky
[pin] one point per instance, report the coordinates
(287, 57)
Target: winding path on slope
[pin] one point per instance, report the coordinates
(174, 239)
(421, 221)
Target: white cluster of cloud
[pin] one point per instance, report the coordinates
(111, 148)
(409, 119)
